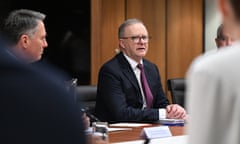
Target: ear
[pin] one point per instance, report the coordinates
(121, 43)
(24, 41)
(222, 4)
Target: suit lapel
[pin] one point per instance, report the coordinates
(127, 71)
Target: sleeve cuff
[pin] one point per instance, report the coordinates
(162, 113)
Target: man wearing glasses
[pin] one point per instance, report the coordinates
(121, 95)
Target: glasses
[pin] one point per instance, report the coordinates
(136, 39)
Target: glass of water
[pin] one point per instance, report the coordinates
(100, 131)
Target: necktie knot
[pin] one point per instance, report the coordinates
(140, 66)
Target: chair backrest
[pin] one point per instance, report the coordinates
(176, 86)
(86, 95)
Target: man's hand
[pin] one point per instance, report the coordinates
(175, 111)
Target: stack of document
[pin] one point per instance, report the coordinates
(172, 122)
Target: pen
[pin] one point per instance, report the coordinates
(91, 116)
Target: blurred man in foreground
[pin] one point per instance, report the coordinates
(213, 82)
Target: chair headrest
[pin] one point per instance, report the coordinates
(86, 92)
(177, 84)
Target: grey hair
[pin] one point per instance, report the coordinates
(125, 24)
(19, 22)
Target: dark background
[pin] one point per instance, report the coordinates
(68, 28)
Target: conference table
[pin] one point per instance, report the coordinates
(134, 133)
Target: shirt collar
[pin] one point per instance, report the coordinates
(132, 62)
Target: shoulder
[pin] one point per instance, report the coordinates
(218, 63)
(149, 65)
(50, 70)
(116, 63)
(148, 62)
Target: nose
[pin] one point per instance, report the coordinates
(45, 44)
(229, 41)
(141, 39)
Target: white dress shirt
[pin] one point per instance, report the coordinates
(137, 72)
(161, 111)
(213, 97)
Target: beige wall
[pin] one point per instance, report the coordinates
(212, 21)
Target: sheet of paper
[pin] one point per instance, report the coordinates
(118, 129)
(89, 130)
(156, 132)
(130, 124)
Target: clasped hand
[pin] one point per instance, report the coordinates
(175, 111)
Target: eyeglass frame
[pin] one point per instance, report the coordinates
(136, 39)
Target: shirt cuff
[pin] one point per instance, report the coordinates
(162, 113)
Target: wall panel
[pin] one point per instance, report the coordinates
(184, 35)
(106, 16)
(152, 13)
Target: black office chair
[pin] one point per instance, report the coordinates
(86, 95)
(176, 86)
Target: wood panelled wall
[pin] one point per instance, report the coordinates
(176, 27)
(184, 35)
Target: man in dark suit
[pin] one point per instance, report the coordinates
(35, 106)
(121, 95)
(26, 34)
(26, 39)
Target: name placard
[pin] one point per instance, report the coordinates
(156, 132)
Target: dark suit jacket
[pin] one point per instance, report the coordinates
(119, 96)
(35, 106)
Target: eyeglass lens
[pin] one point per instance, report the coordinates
(137, 39)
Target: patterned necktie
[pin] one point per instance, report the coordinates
(145, 86)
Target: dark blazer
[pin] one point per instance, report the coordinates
(35, 106)
(119, 96)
